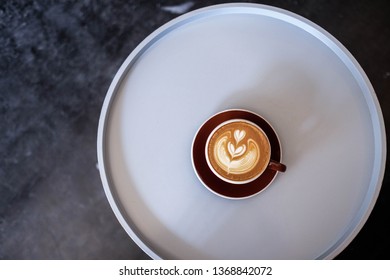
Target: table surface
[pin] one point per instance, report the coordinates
(57, 62)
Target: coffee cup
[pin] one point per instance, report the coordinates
(236, 154)
(238, 151)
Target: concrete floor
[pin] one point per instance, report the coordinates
(56, 63)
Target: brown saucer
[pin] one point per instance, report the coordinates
(209, 179)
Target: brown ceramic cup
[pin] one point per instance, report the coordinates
(236, 153)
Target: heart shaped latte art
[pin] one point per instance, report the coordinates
(236, 152)
(239, 135)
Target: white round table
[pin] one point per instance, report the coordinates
(257, 58)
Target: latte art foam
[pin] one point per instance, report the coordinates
(235, 157)
(238, 151)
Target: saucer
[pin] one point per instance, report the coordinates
(209, 179)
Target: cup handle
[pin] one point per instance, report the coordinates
(276, 166)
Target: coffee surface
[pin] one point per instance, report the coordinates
(238, 151)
